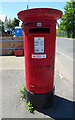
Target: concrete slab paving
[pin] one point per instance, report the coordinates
(13, 77)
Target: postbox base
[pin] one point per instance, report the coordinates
(40, 101)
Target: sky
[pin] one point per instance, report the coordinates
(12, 8)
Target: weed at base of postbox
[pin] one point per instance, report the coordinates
(23, 96)
(30, 107)
(23, 92)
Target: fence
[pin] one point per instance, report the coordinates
(8, 44)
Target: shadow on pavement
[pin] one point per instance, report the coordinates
(62, 108)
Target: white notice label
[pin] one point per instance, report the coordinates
(39, 56)
(38, 44)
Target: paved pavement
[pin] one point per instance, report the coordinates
(13, 78)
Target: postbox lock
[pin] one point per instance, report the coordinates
(39, 24)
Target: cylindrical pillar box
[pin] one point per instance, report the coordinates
(39, 47)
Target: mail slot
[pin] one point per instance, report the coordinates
(39, 30)
(39, 48)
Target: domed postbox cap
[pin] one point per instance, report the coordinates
(48, 13)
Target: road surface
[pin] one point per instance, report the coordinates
(65, 60)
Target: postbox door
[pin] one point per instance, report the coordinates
(40, 63)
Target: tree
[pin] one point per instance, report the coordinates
(67, 22)
(15, 22)
(1, 27)
(9, 24)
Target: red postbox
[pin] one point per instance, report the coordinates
(39, 47)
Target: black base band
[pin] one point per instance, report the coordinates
(40, 101)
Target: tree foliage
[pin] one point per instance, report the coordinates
(15, 22)
(1, 26)
(67, 22)
(11, 24)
